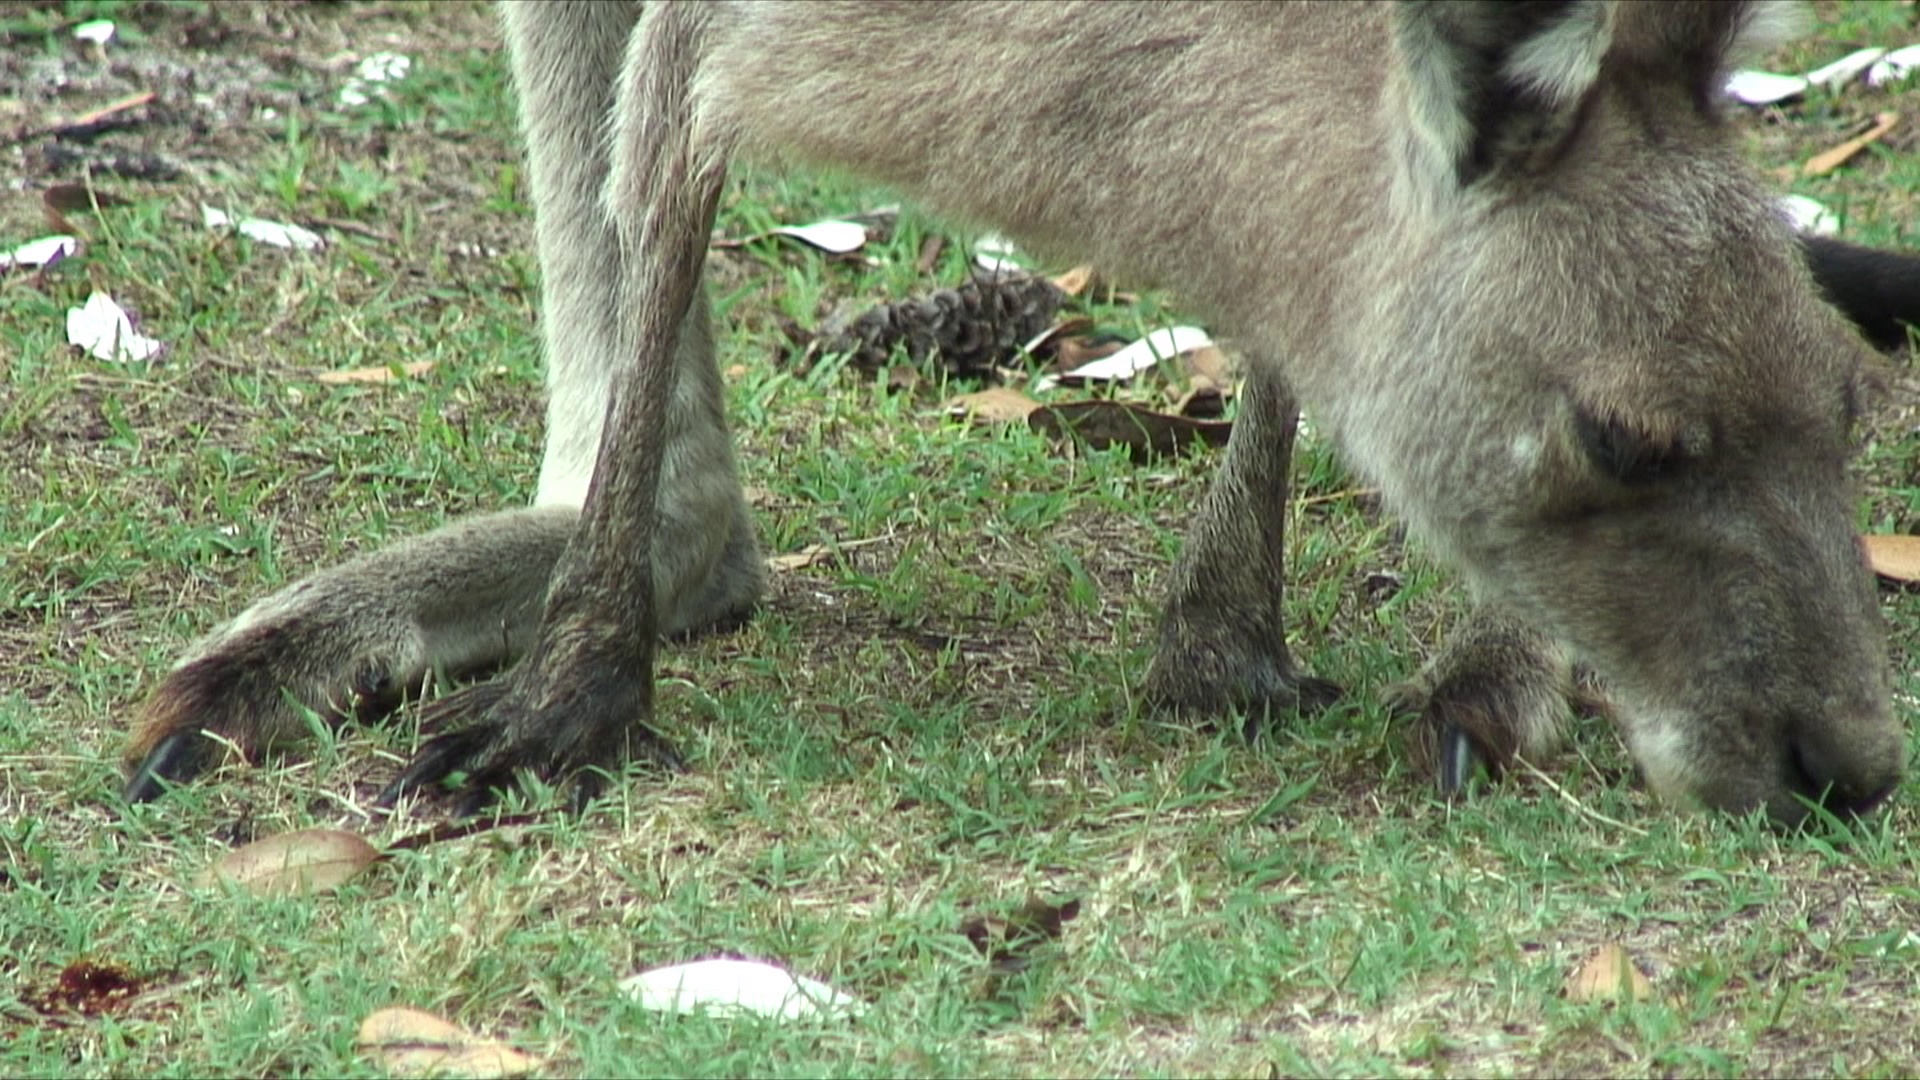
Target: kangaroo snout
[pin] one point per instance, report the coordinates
(1849, 768)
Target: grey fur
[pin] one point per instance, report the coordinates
(1524, 280)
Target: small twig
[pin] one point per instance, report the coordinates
(1571, 800)
(357, 228)
(455, 830)
(1336, 496)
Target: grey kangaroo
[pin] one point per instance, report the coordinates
(1506, 253)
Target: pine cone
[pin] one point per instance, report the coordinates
(969, 330)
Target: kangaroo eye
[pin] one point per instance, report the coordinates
(1628, 453)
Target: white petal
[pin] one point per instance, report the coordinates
(1894, 66)
(260, 230)
(103, 329)
(837, 237)
(1808, 215)
(724, 986)
(39, 252)
(99, 31)
(1125, 364)
(384, 67)
(1764, 87)
(1845, 69)
(281, 235)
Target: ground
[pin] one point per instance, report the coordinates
(933, 723)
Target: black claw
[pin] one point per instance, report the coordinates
(478, 798)
(1461, 763)
(175, 759)
(589, 785)
(439, 758)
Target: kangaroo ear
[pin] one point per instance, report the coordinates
(1698, 42)
(1487, 85)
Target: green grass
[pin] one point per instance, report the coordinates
(935, 723)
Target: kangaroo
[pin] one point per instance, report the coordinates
(1506, 253)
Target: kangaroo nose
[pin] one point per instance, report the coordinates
(1846, 784)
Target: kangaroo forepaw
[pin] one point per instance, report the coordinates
(501, 730)
(1489, 701)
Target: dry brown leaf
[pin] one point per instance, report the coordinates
(799, 560)
(374, 374)
(306, 861)
(59, 200)
(1827, 161)
(1008, 943)
(930, 249)
(412, 1042)
(736, 372)
(995, 405)
(1895, 557)
(1211, 363)
(1608, 975)
(1146, 434)
(1204, 400)
(1075, 281)
(1042, 343)
(1072, 352)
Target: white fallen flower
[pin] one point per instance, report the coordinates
(995, 254)
(99, 31)
(383, 67)
(42, 252)
(1845, 69)
(833, 237)
(277, 234)
(1894, 66)
(1765, 87)
(104, 329)
(1807, 215)
(726, 987)
(1124, 364)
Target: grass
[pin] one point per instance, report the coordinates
(935, 723)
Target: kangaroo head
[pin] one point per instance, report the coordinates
(1629, 410)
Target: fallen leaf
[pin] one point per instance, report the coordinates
(413, 1042)
(994, 405)
(1072, 324)
(104, 329)
(1203, 400)
(1075, 281)
(725, 986)
(1894, 556)
(1608, 975)
(386, 374)
(1209, 362)
(1146, 434)
(1008, 943)
(1075, 351)
(799, 560)
(930, 249)
(305, 861)
(1823, 163)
